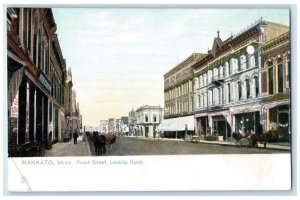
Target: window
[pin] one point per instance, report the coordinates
(239, 90)
(229, 67)
(247, 88)
(154, 118)
(220, 95)
(289, 73)
(280, 78)
(256, 85)
(35, 49)
(228, 93)
(146, 117)
(271, 88)
(238, 63)
(256, 58)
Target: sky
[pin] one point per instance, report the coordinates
(118, 56)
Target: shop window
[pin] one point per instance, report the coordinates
(283, 107)
(273, 115)
(271, 84)
(280, 78)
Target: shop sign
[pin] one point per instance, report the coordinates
(15, 107)
(42, 79)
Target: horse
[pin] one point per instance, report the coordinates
(263, 138)
(99, 143)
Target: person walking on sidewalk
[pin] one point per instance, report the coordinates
(75, 136)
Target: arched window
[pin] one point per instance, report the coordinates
(271, 78)
(280, 75)
(256, 86)
(239, 87)
(247, 83)
(154, 118)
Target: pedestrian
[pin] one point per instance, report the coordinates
(75, 136)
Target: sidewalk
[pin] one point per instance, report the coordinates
(268, 145)
(69, 149)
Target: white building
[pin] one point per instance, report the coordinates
(148, 118)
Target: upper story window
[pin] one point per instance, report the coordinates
(146, 118)
(204, 80)
(239, 86)
(256, 86)
(247, 82)
(270, 78)
(280, 77)
(154, 118)
(243, 62)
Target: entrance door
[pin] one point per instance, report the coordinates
(283, 127)
(222, 129)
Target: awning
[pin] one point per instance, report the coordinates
(177, 124)
(245, 108)
(277, 103)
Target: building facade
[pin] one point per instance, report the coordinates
(104, 126)
(228, 92)
(124, 125)
(34, 82)
(111, 125)
(68, 104)
(57, 73)
(148, 118)
(276, 86)
(132, 125)
(179, 98)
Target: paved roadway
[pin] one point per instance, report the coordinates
(130, 146)
(133, 146)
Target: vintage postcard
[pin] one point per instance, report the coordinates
(148, 98)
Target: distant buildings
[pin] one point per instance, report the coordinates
(104, 126)
(132, 123)
(124, 125)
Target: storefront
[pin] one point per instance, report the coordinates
(248, 123)
(177, 128)
(279, 119)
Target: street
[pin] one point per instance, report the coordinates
(128, 146)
